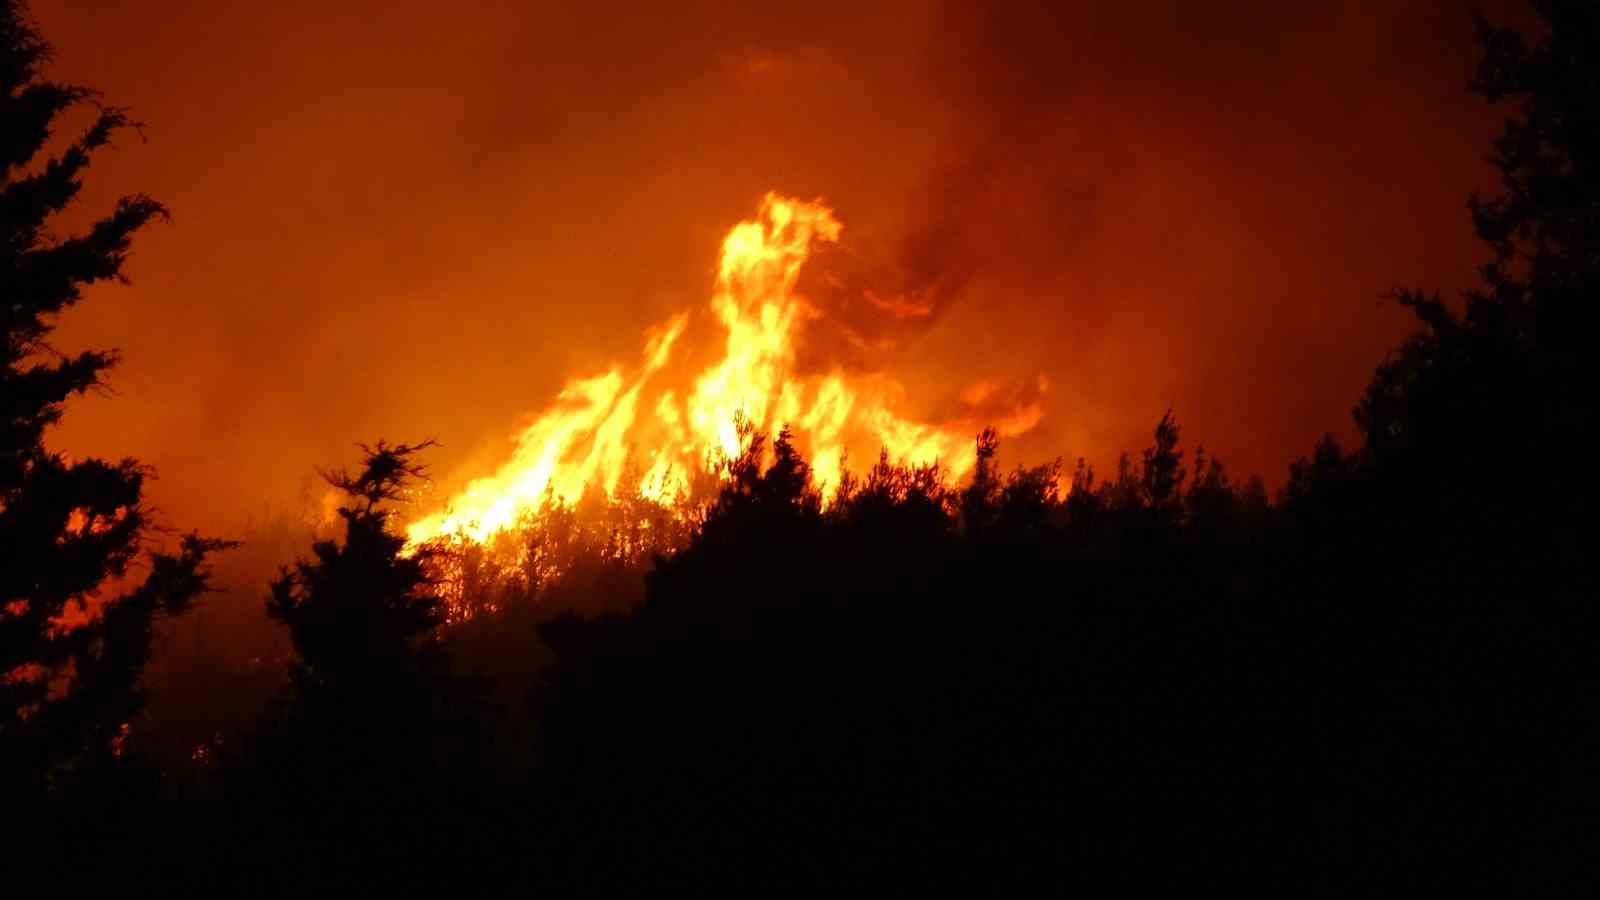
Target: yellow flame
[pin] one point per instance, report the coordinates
(587, 438)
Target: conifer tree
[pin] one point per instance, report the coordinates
(78, 591)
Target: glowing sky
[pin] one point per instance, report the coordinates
(412, 220)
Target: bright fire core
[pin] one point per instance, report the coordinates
(648, 432)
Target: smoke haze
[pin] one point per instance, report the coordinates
(416, 220)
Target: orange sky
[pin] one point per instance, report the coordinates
(410, 220)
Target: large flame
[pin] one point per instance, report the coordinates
(601, 433)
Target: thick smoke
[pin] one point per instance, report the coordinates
(395, 221)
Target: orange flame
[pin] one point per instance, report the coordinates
(587, 438)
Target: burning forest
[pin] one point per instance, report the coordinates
(776, 463)
(655, 431)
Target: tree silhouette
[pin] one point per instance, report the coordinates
(1163, 477)
(75, 621)
(1499, 379)
(363, 612)
(1544, 226)
(371, 747)
(1456, 529)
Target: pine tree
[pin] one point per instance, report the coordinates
(75, 618)
(362, 613)
(371, 679)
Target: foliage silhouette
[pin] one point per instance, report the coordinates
(76, 602)
(375, 731)
(362, 609)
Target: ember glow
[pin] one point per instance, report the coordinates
(645, 431)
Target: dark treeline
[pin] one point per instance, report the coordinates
(1379, 680)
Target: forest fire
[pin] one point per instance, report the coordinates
(643, 431)
(763, 604)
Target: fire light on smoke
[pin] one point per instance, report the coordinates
(647, 431)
